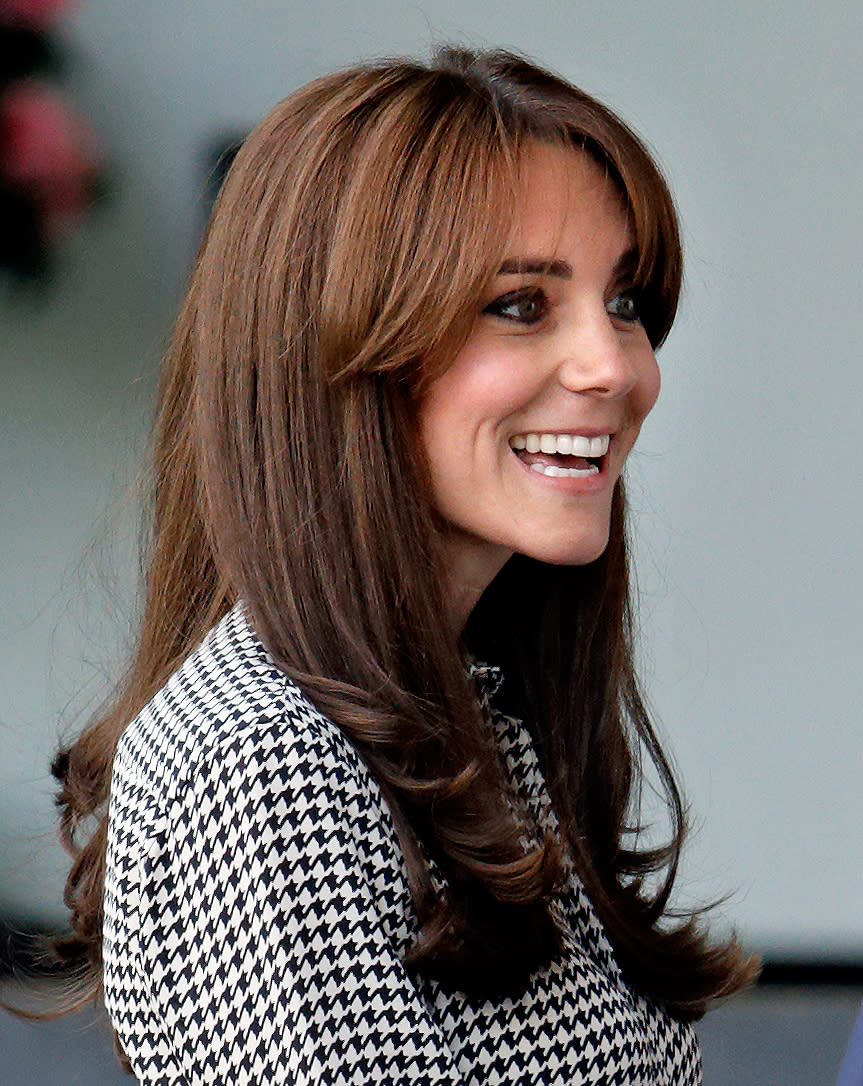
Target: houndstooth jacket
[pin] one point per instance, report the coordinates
(257, 913)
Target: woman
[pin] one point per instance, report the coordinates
(372, 819)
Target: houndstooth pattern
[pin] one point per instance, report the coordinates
(257, 912)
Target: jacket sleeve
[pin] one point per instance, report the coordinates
(273, 918)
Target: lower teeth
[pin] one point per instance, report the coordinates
(563, 473)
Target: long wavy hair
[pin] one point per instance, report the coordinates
(342, 268)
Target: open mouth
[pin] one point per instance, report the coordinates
(561, 455)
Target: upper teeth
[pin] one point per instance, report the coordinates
(568, 444)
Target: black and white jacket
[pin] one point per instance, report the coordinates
(257, 912)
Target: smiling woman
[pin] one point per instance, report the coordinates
(527, 431)
(367, 797)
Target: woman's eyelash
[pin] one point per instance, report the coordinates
(625, 305)
(528, 305)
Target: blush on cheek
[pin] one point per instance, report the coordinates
(651, 385)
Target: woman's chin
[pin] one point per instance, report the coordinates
(568, 552)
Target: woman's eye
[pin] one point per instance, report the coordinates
(526, 306)
(624, 306)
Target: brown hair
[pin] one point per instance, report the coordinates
(349, 246)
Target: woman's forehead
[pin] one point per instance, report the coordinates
(565, 198)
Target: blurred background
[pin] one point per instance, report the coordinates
(746, 486)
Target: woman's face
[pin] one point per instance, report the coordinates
(527, 431)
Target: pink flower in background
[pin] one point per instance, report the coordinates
(35, 13)
(50, 166)
(46, 151)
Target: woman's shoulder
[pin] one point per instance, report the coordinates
(229, 703)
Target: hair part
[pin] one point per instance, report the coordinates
(343, 266)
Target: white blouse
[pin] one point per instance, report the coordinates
(257, 913)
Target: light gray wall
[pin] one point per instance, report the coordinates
(746, 485)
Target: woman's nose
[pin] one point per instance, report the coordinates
(594, 358)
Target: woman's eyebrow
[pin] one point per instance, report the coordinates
(536, 266)
(562, 269)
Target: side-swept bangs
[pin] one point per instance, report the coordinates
(376, 220)
(370, 209)
(537, 105)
